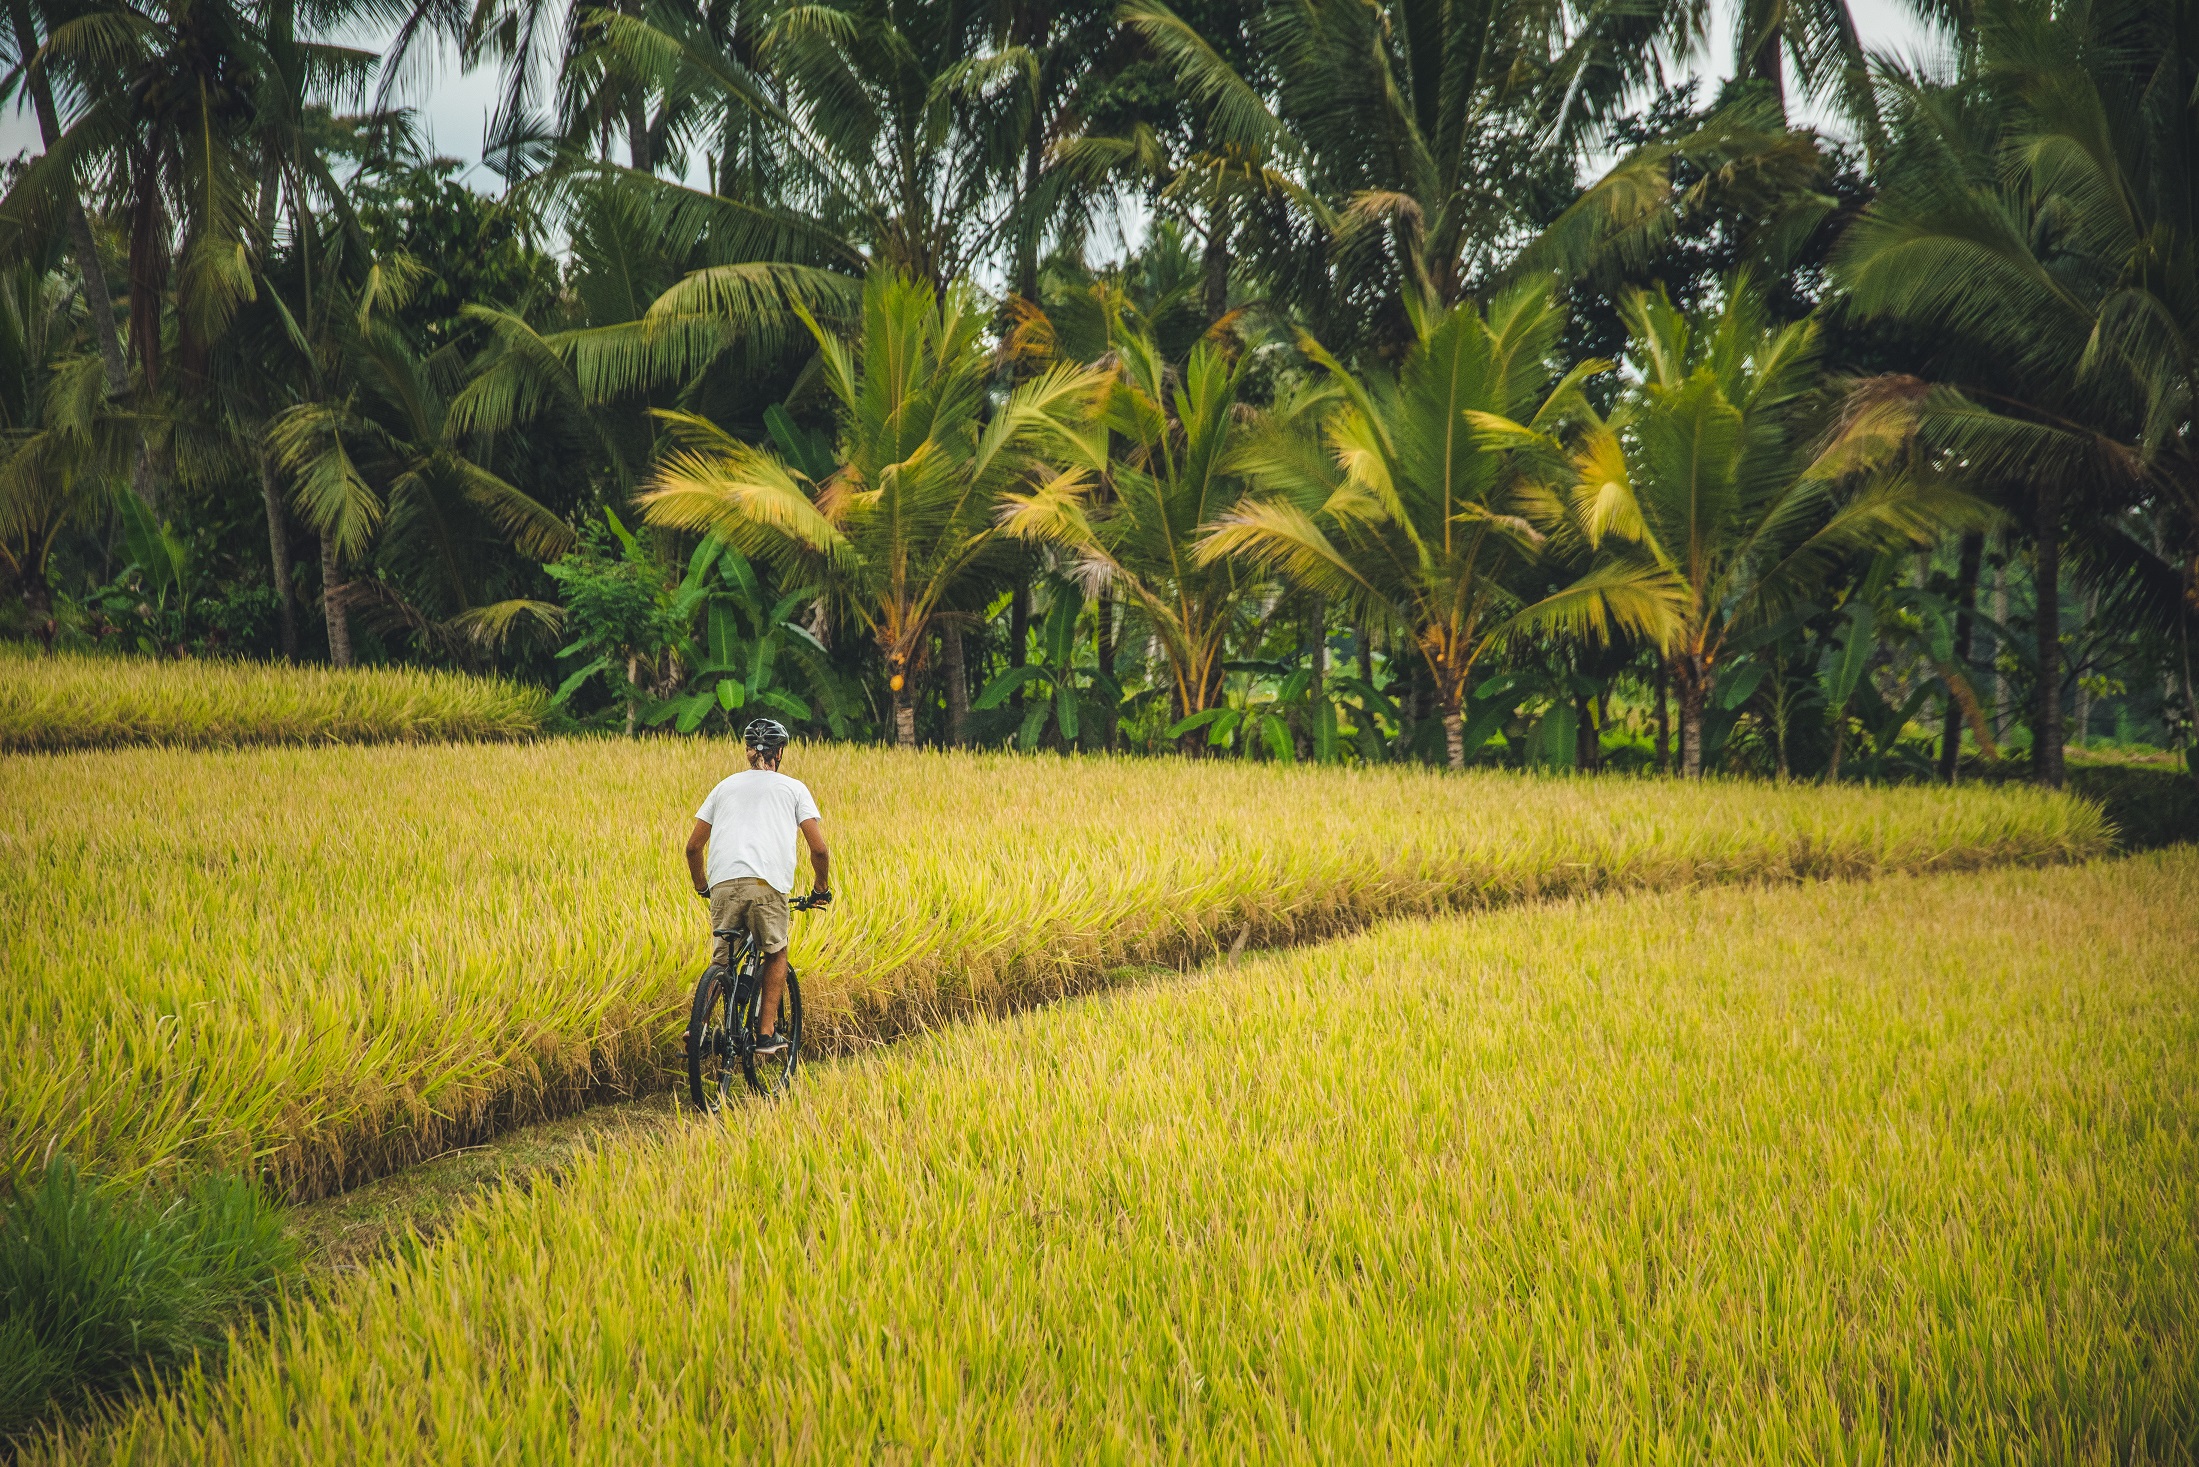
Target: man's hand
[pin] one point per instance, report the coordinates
(698, 841)
(820, 897)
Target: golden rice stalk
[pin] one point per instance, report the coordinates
(325, 964)
(1890, 1172)
(65, 701)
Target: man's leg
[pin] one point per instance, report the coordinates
(767, 920)
(774, 990)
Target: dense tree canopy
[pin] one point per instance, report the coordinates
(792, 364)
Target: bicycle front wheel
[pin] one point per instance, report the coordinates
(770, 1074)
(710, 1057)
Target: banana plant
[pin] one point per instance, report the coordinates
(1881, 616)
(1292, 705)
(1069, 696)
(1375, 716)
(736, 663)
(1259, 718)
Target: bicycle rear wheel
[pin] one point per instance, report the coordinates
(771, 1074)
(711, 1061)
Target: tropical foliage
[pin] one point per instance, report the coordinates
(1396, 430)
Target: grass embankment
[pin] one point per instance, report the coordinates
(1890, 1172)
(327, 964)
(65, 701)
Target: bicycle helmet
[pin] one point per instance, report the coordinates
(765, 736)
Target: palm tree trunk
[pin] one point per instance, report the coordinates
(1317, 687)
(37, 596)
(1019, 632)
(2080, 724)
(1215, 266)
(2000, 619)
(1765, 63)
(1780, 724)
(1664, 717)
(1694, 692)
(278, 557)
(1966, 600)
(2046, 725)
(1107, 659)
(958, 681)
(1026, 245)
(1419, 695)
(98, 301)
(904, 715)
(2191, 689)
(1454, 737)
(332, 606)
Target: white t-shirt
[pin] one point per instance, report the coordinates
(755, 817)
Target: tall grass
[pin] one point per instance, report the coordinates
(325, 964)
(67, 701)
(1894, 1172)
(98, 1288)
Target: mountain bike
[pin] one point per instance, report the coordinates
(723, 1028)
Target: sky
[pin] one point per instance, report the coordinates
(454, 107)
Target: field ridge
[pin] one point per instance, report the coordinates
(64, 701)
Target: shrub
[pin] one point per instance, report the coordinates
(97, 1286)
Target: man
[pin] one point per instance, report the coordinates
(748, 824)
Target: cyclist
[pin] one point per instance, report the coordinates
(748, 824)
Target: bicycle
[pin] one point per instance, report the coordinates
(722, 1029)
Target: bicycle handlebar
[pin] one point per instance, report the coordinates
(810, 902)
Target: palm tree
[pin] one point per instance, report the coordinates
(1818, 39)
(194, 122)
(1135, 516)
(98, 299)
(1395, 509)
(863, 140)
(658, 308)
(376, 459)
(1708, 465)
(1395, 129)
(61, 445)
(2036, 228)
(907, 514)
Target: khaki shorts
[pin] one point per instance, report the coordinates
(756, 905)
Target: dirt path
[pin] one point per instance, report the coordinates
(351, 1230)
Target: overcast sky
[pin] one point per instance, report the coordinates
(454, 107)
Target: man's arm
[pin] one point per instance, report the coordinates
(820, 859)
(698, 841)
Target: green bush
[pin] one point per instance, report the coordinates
(97, 1287)
(2150, 805)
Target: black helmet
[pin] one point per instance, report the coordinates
(765, 736)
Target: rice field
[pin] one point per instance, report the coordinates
(321, 965)
(1885, 1172)
(68, 701)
